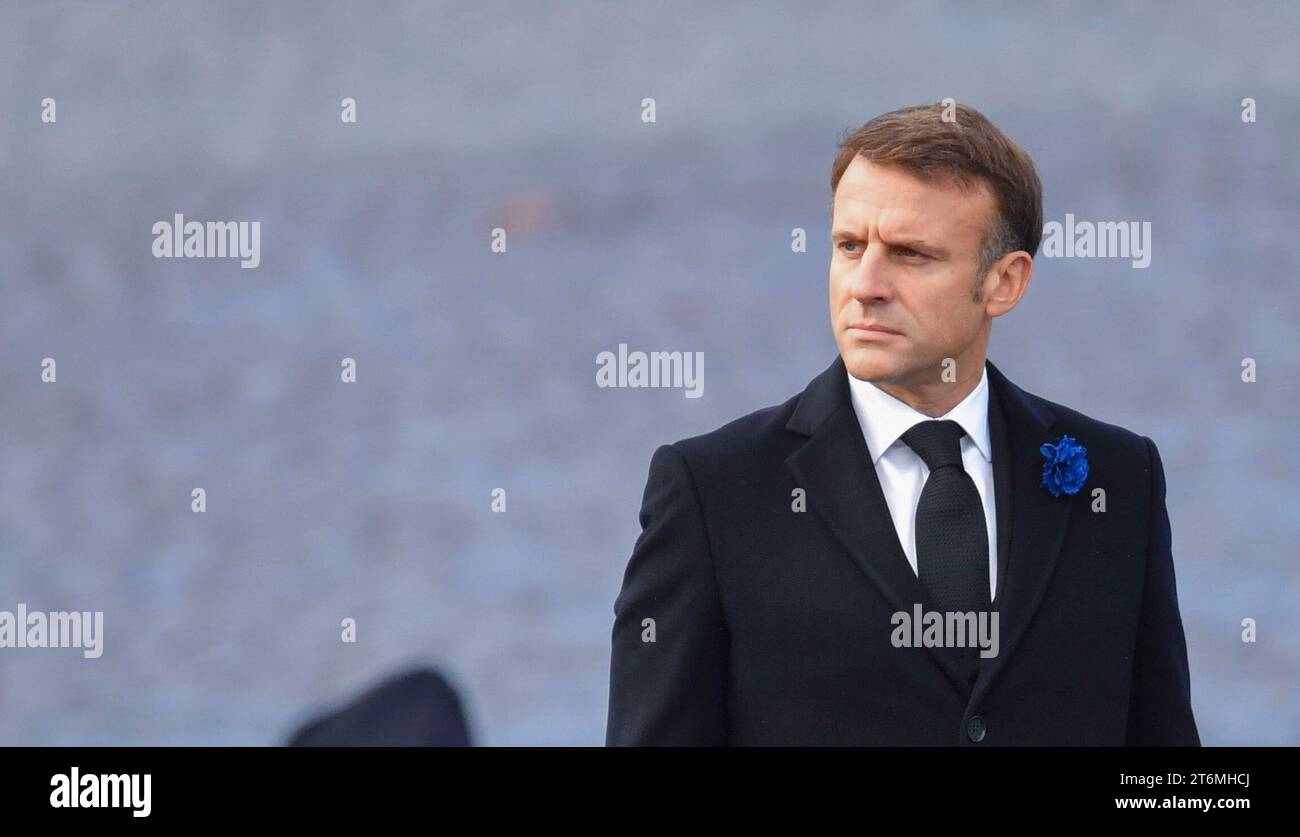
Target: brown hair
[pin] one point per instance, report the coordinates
(967, 151)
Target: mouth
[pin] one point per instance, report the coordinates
(871, 331)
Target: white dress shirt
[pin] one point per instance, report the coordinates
(902, 472)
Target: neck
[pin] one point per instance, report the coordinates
(935, 398)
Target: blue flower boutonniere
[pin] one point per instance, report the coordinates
(1066, 466)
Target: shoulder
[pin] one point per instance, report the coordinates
(739, 448)
(1123, 447)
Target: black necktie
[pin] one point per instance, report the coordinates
(952, 541)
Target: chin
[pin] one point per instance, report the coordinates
(868, 363)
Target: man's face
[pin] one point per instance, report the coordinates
(904, 258)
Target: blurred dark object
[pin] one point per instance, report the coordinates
(417, 708)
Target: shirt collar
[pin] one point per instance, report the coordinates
(884, 418)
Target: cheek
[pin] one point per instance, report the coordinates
(946, 318)
(931, 313)
(837, 287)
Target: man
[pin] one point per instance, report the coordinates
(804, 573)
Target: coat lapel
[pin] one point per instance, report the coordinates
(834, 467)
(1036, 520)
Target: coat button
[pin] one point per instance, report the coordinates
(976, 728)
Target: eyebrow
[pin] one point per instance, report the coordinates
(918, 244)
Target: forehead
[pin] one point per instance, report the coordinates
(897, 202)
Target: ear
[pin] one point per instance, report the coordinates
(1006, 282)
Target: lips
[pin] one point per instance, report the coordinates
(873, 328)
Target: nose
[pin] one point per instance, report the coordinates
(871, 281)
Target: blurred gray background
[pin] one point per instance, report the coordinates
(477, 370)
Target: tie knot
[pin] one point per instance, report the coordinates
(938, 443)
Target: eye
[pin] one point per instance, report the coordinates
(909, 253)
(844, 244)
